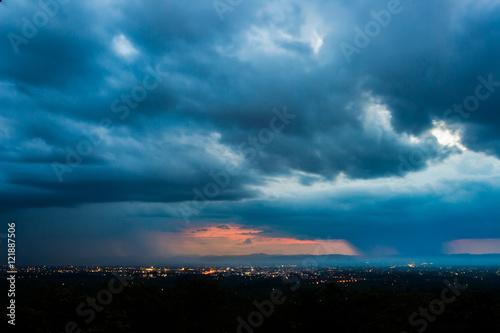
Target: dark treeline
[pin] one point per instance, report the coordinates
(207, 305)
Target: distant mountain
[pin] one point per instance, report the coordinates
(265, 259)
(302, 260)
(336, 259)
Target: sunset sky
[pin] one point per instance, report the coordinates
(150, 130)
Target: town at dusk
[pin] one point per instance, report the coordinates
(250, 166)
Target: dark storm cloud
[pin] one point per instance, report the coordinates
(446, 50)
(221, 81)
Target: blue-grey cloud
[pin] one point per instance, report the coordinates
(73, 135)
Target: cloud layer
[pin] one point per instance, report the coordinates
(120, 113)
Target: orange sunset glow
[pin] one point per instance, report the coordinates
(232, 239)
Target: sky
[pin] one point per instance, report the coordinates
(143, 131)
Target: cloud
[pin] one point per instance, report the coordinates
(371, 147)
(123, 47)
(246, 242)
(472, 246)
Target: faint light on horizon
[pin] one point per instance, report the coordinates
(229, 239)
(472, 246)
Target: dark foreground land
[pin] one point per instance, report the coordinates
(340, 300)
